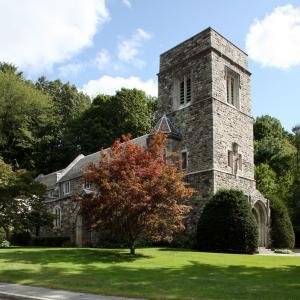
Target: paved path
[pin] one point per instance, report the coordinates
(24, 292)
(264, 251)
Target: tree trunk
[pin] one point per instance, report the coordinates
(132, 249)
(37, 231)
(7, 233)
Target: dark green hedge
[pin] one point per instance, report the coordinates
(21, 238)
(282, 233)
(24, 238)
(227, 224)
(51, 241)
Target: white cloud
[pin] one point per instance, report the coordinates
(37, 34)
(109, 85)
(129, 49)
(275, 40)
(70, 69)
(127, 3)
(102, 59)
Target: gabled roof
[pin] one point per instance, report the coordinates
(166, 126)
(50, 179)
(77, 166)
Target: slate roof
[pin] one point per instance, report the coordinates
(50, 179)
(77, 166)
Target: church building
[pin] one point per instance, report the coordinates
(204, 106)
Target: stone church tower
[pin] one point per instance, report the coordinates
(204, 90)
(205, 108)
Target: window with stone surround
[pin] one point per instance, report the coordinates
(184, 92)
(87, 185)
(51, 194)
(232, 87)
(67, 187)
(57, 217)
(184, 160)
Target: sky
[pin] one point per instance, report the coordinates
(101, 46)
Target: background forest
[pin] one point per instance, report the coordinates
(45, 124)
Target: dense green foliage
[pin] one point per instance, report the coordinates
(20, 198)
(277, 171)
(282, 233)
(110, 117)
(26, 118)
(69, 104)
(154, 273)
(227, 224)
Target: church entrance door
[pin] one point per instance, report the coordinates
(261, 221)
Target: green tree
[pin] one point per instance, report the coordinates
(110, 117)
(268, 127)
(19, 194)
(277, 167)
(227, 224)
(266, 180)
(10, 68)
(282, 233)
(69, 104)
(69, 101)
(26, 118)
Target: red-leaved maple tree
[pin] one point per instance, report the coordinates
(137, 192)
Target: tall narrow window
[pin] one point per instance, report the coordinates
(182, 92)
(87, 185)
(188, 90)
(232, 87)
(230, 158)
(57, 217)
(184, 160)
(185, 90)
(67, 187)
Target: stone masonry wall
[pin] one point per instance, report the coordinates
(231, 124)
(195, 120)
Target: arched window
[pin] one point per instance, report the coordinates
(57, 217)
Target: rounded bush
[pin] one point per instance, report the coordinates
(227, 224)
(282, 233)
(4, 244)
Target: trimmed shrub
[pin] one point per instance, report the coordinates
(21, 238)
(227, 224)
(282, 233)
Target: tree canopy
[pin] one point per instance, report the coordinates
(110, 117)
(137, 193)
(277, 170)
(26, 119)
(20, 196)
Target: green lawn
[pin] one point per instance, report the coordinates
(155, 273)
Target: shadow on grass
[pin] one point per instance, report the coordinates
(69, 255)
(102, 271)
(193, 281)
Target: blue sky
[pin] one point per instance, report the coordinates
(102, 45)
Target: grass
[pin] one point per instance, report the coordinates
(154, 273)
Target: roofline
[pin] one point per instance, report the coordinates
(200, 33)
(76, 160)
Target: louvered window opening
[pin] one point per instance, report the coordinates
(185, 91)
